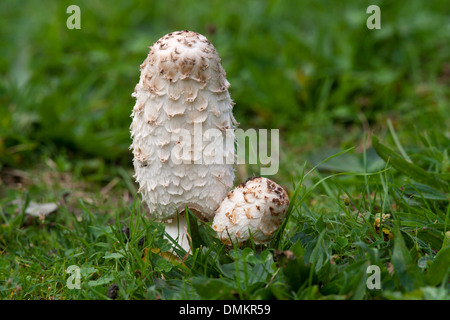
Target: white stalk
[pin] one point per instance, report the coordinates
(177, 229)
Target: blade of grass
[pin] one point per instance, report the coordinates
(397, 141)
(409, 169)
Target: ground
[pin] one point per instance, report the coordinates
(364, 137)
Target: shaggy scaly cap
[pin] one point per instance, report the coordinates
(182, 84)
(257, 206)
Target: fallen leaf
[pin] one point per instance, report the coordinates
(35, 209)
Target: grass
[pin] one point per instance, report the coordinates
(363, 118)
(322, 252)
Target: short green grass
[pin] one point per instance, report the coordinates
(321, 252)
(363, 118)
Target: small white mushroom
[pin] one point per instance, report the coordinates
(182, 87)
(255, 208)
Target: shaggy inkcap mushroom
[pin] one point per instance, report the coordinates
(182, 87)
(255, 208)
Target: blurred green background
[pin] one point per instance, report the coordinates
(309, 68)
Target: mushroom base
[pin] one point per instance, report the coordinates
(177, 230)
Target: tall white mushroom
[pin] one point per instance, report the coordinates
(182, 89)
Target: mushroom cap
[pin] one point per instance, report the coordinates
(182, 86)
(257, 207)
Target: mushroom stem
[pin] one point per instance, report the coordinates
(177, 229)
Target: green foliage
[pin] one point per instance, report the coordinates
(439, 270)
(323, 252)
(409, 168)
